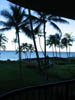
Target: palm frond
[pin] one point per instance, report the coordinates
(3, 23)
(6, 14)
(6, 24)
(58, 19)
(36, 30)
(5, 29)
(55, 26)
(24, 23)
(17, 13)
(27, 31)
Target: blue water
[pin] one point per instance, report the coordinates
(12, 55)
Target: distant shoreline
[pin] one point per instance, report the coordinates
(13, 56)
(32, 59)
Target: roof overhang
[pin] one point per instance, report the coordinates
(61, 8)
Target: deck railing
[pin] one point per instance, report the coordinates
(64, 90)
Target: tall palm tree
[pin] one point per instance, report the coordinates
(50, 42)
(43, 19)
(30, 31)
(14, 19)
(3, 40)
(33, 36)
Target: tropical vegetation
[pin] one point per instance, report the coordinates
(14, 20)
(25, 47)
(30, 25)
(43, 19)
(60, 42)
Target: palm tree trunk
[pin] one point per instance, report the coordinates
(59, 52)
(69, 51)
(56, 51)
(66, 51)
(30, 54)
(20, 65)
(34, 40)
(20, 69)
(53, 55)
(53, 51)
(44, 42)
(40, 45)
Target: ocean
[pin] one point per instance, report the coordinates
(12, 55)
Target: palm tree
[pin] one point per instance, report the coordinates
(31, 49)
(50, 42)
(67, 41)
(54, 40)
(58, 42)
(31, 32)
(3, 40)
(64, 43)
(70, 40)
(33, 36)
(44, 19)
(25, 49)
(14, 19)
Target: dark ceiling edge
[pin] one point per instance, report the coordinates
(65, 14)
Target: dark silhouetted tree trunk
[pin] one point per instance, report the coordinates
(45, 43)
(33, 36)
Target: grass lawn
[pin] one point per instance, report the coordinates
(9, 75)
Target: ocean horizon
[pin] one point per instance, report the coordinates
(13, 55)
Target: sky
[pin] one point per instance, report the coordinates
(65, 28)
